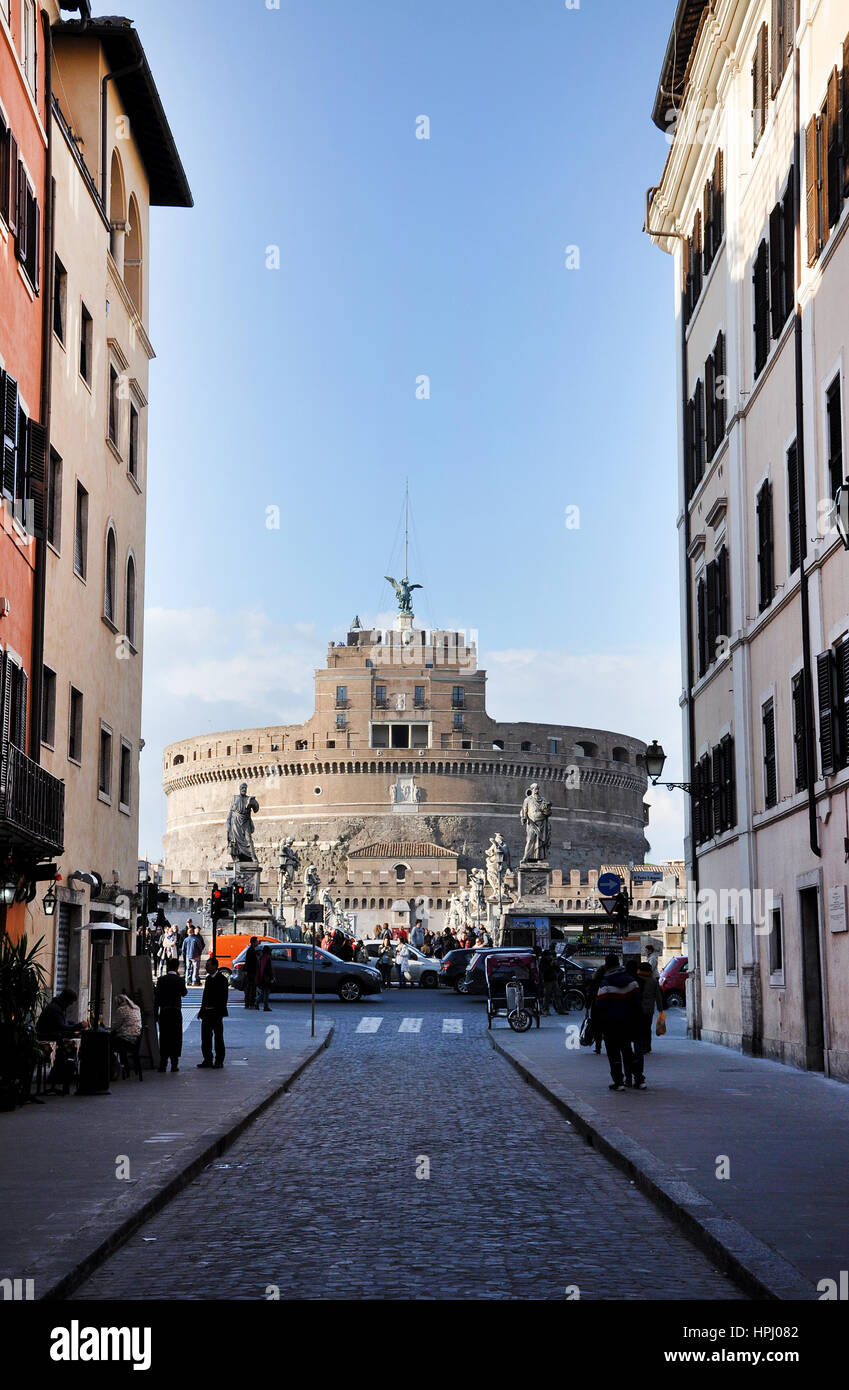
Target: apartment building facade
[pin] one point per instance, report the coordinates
(113, 157)
(753, 206)
(31, 800)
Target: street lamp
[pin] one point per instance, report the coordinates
(655, 759)
(48, 902)
(7, 892)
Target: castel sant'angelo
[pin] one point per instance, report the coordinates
(400, 777)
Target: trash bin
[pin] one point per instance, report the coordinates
(95, 1062)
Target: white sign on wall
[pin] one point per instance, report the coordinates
(837, 907)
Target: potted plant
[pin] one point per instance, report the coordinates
(23, 994)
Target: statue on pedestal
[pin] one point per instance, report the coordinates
(289, 862)
(477, 881)
(240, 827)
(497, 863)
(311, 883)
(403, 591)
(535, 815)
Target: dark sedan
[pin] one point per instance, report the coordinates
(452, 969)
(292, 966)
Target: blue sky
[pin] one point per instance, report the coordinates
(398, 257)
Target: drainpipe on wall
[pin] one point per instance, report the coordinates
(813, 829)
(40, 571)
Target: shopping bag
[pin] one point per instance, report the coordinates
(586, 1037)
(660, 1026)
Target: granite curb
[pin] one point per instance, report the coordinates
(754, 1266)
(52, 1275)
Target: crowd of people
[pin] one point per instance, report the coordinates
(163, 942)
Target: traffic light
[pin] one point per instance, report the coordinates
(216, 906)
(153, 898)
(238, 897)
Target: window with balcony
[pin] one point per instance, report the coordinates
(75, 726)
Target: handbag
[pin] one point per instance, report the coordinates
(660, 1026)
(586, 1037)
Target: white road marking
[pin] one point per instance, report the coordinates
(165, 1138)
(452, 1025)
(368, 1025)
(410, 1025)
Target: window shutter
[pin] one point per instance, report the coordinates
(20, 714)
(757, 127)
(775, 268)
(846, 117)
(720, 388)
(21, 466)
(4, 175)
(770, 782)
(685, 277)
(710, 409)
(761, 285)
(723, 607)
(711, 614)
(701, 619)
(788, 246)
(23, 227)
(36, 475)
(800, 746)
(831, 164)
(731, 780)
(9, 418)
(764, 57)
(689, 435)
(11, 191)
(811, 189)
(697, 256)
(776, 65)
(842, 664)
(718, 198)
(716, 794)
(707, 800)
(793, 508)
(825, 685)
(708, 221)
(35, 249)
(5, 710)
(699, 431)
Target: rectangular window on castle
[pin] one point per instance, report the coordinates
(419, 696)
(380, 696)
(341, 696)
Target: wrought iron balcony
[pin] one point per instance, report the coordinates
(32, 804)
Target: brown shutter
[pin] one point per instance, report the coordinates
(825, 667)
(11, 194)
(846, 117)
(764, 46)
(709, 248)
(775, 269)
(776, 35)
(21, 242)
(36, 480)
(831, 162)
(811, 189)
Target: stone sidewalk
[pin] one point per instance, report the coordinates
(80, 1173)
(780, 1220)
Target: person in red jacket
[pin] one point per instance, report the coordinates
(264, 977)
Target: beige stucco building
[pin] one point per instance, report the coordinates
(113, 156)
(752, 206)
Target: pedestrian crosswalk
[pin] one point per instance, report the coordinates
(408, 1025)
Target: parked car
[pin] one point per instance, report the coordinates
(673, 983)
(452, 968)
(292, 966)
(230, 945)
(422, 970)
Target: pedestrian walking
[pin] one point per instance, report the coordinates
(187, 953)
(616, 1012)
(653, 960)
(550, 979)
(417, 935)
(212, 1013)
(384, 964)
(592, 991)
(251, 964)
(651, 998)
(402, 960)
(264, 978)
(168, 1013)
(126, 1029)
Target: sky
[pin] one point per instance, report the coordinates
(348, 306)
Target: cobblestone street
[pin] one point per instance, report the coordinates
(321, 1199)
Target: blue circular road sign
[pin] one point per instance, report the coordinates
(609, 885)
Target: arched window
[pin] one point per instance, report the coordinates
(380, 902)
(372, 902)
(117, 211)
(178, 758)
(133, 256)
(400, 873)
(109, 577)
(621, 755)
(130, 602)
(526, 747)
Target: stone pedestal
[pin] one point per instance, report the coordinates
(533, 884)
(247, 872)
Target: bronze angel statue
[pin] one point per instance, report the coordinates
(403, 590)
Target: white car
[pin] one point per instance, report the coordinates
(421, 970)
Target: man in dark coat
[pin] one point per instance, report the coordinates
(251, 962)
(617, 1011)
(212, 1013)
(168, 992)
